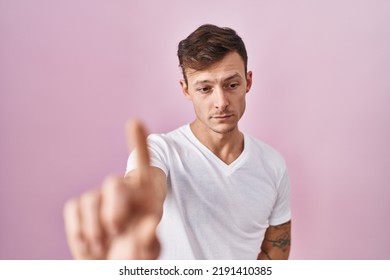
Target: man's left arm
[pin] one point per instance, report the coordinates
(276, 243)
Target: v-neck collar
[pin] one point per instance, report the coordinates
(228, 168)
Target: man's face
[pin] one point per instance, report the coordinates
(218, 93)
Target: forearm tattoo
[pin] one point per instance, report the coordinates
(266, 254)
(282, 240)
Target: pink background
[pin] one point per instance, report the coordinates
(72, 72)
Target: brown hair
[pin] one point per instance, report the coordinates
(207, 45)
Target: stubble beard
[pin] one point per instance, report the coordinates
(224, 132)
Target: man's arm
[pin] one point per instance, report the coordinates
(276, 243)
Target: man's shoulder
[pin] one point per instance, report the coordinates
(169, 137)
(265, 151)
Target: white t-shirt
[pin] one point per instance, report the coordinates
(214, 210)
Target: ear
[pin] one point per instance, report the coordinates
(248, 81)
(184, 88)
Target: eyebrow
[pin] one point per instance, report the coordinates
(234, 76)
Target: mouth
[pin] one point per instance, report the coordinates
(222, 117)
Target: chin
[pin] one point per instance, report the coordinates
(223, 129)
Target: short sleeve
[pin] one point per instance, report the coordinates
(158, 154)
(282, 209)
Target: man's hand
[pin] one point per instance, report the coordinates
(119, 220)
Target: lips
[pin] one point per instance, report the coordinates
(222, 116)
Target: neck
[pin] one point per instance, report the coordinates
(227, 146)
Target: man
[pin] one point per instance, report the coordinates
(202, 191)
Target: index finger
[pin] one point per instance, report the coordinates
(136, 135)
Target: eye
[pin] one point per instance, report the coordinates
(232, 86)
(204, 90)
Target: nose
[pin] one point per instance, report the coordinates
(221, 101)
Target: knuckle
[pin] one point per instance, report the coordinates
(96, 234)
(76, 235)
(93, 233)
(111, 219)
(113, 187)
(71, 207)
(90, 198)
(112, 181)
